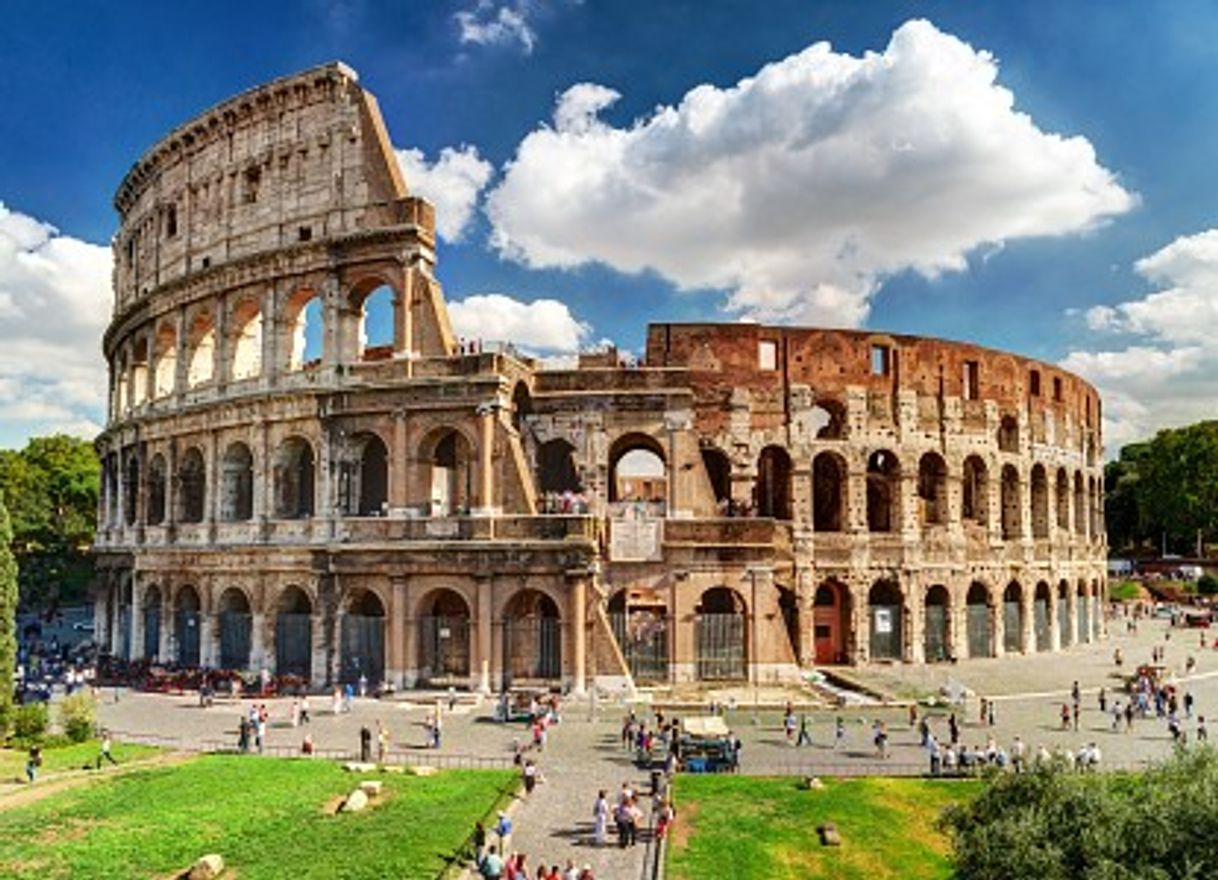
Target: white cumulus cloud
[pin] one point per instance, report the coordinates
(799, 189)
(497, 24)
(452, 183)
(540, 326)
(54, 304)
(1163, 369)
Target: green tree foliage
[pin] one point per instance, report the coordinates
(51, 487)
(8, 620)
(1053, 824)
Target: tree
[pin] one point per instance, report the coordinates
(8, 619)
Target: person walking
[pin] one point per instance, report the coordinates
(600, 819)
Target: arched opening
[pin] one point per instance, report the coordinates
(974, 506)
(932, 489)
(1063, 500)
(556, 471)
(532, 637)
(828, 492)
(193, 485)
(885, 607)
(638, 473)
(977, 623)
(719, 471)
(773, 488)
(294, 479)
(294, 633)
(246, 340)
(363, 639)
(1041, 620)
(201, 351)
(131, 489)
(304, 318)
(237, 484)
(1012, 525)
(188, 626)
(1080, 505)
(883, 491)
(719, 631)
(1063, 614)
(444, 639)
(451, 474)
(156, 490)
(830, 621)
(1012, 618)
(376, 324)
(164, 361)
(1040, 502)
(152, 624)
(640, 625)
(937, 609)
(1082, 617)
(363, 479)
(236, 629)
(1008, 434)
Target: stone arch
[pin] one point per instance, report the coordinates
(937, 614)
(556, 470)
(532, 642)
(1012, 618)
(1008, 434)
(1042, 616)
(294, 633)
(831, 621)
(719, 472)
(304, 319)
(363, 488)
(245, 339)
(1062, 493)
(978, 621)
(188, 625)
(1040, 501)
(721, 636)
(1012, 509)
(294, 479)
(638, 470)
(932, 489)
(235, 619)
(164, 360)
(200, 349)
(444, 637)
(237, 483)
(974, 500)
(153, 601)
(886, 613)
(192, 476)
(829, 492)
(450, 458)
(772, 491)
(362, 652)
(157, 476)
(883, 491)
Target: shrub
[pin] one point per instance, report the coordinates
(77, 715)
(30, 724)
(1207, 585)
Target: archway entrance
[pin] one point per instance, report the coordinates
(719, 630)
(532, 639)
(444, 639)
(1012, 618)
(938, 603)
(236, 628)
(885, 612)
(640, 625)
(1041, 621)
(294, 634)
(980, 641)
(830, 616)
(363, 639)
(187, 619)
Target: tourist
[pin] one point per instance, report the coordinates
(365, 744)
(600, 818)
(503, 829)
(104, 752)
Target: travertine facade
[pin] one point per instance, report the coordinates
(750, 501)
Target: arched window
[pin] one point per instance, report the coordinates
(237, 484)
(193, 480)
(975, 491)
(246, 340)
(773, 489)
(294, 479)
(883, 492)
(932, 489)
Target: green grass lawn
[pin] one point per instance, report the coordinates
(66, 758)
(267, 817)
(744, 828)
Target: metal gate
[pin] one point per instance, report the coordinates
(533, 646)
(1084, 616)
(1040, 616)
(978, 627)
(643, 638)
(721, 649)
(886, 641)
(1063, 622)
(152, 632)
(363, 649)
(936, 633)
(1012, 627)
(444, 645)
(294, 644)
(188, 638)
(235, 630)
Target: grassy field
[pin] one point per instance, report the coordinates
(745, 828)
(267, 817)
(66, 759)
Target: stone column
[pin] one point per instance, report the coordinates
(579, 623)
(484, 633)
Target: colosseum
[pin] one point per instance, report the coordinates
(283, 491)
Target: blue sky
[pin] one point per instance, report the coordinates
(1095, 253)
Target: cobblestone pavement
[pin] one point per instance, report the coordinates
(582, 754)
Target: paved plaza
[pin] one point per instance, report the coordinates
(583, 754)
